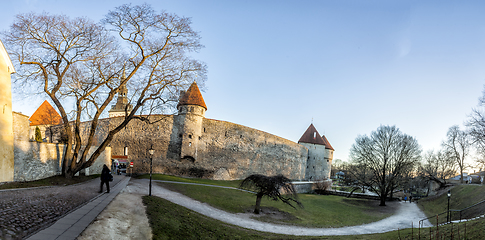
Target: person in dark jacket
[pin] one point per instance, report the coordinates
(105, 175)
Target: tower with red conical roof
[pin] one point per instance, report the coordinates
(191, 111)
(320, 154)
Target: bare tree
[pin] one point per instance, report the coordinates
(437, 166)
(385, 156)
(476, 129)
(458, 145)
(272, 188)
(80, 63)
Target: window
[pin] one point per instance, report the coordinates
(190, 136)
(125, 151)
(190, 144)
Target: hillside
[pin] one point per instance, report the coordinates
(462, 196)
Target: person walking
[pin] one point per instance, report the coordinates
(105, 177)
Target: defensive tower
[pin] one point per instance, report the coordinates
(191, 111)
(320, 154)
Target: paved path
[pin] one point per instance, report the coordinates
(407, 215)
(25, 211)
(71, 225)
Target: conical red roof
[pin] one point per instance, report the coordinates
(45, 115)
(327, 143)
(193, 97)
(311, 135)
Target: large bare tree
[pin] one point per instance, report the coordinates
(384, 158)
(458, 145)
(437, 166)
(81, 66)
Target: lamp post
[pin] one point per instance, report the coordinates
(151, 151)
(448, 217)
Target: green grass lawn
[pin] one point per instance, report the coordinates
(171, 221)
(462, 196)
(318, 211)
(50, 181)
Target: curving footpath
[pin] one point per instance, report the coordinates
(408, 215)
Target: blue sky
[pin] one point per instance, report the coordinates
(348, 65)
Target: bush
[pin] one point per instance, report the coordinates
(38, 135)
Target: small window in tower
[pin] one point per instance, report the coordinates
(200, 137)
(125, 151)
(313, 167)
(190, 144)
(180, 135)
(327, 160)
(190, 136)
(204, 129)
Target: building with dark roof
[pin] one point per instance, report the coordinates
(320, 154)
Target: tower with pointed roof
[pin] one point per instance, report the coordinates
(191, 111)
(122, 107)
(320, 154)
(6, 119)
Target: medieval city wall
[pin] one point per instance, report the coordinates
(224, 150)
(35, 160)
(241, 151)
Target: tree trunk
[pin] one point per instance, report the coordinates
(383, 201)
(259, 196)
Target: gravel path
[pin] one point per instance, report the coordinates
(407, 214)
(26, 211)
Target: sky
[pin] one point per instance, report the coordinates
(345, 66)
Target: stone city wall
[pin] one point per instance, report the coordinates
(237, 151)
(224, 151)
(35, 160)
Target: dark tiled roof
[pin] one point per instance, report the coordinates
(327, 143)
(45, 115)
(311, 135)
(193, 97)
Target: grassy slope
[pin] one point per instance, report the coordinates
(338, 211)
(171, 221)
(50, 181)
(462, 196)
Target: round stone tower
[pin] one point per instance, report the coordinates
(191, 112)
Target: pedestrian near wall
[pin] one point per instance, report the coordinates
(105, 178)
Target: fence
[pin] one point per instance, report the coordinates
(453, 217)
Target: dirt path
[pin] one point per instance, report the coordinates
(407, 214)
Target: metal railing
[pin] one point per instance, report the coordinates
(453, 216)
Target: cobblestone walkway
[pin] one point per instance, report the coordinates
(23, 212)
